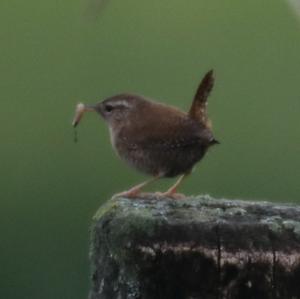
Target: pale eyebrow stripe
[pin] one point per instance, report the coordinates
(120, 103)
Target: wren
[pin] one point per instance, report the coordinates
(155, 138)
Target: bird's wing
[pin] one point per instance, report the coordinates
(160, 135)
(198, 110)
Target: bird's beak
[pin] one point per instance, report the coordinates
(80, 109)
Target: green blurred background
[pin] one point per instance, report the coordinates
(54, 54)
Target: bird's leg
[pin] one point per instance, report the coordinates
(134, 191)
(171, 192)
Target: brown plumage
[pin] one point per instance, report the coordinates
(154, 138)
(198, 110)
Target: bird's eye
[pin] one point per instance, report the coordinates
(108, 108)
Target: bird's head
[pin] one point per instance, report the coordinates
(114, 110)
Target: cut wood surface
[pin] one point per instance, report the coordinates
(200, 247)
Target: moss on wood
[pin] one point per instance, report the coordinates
(195, 248)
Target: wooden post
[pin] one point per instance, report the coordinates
(201, 247)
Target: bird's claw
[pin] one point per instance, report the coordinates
(172, 195)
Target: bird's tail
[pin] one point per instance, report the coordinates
(198, 109)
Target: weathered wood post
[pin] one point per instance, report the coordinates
(195, 248)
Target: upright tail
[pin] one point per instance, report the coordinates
(198, 109)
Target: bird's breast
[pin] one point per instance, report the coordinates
(167, 158)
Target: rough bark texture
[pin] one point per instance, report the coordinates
(195, 248)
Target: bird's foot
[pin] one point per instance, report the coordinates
(136, 190)
(172, 191)
(172, 195)
(131, 193)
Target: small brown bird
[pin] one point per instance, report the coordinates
(154, 138)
